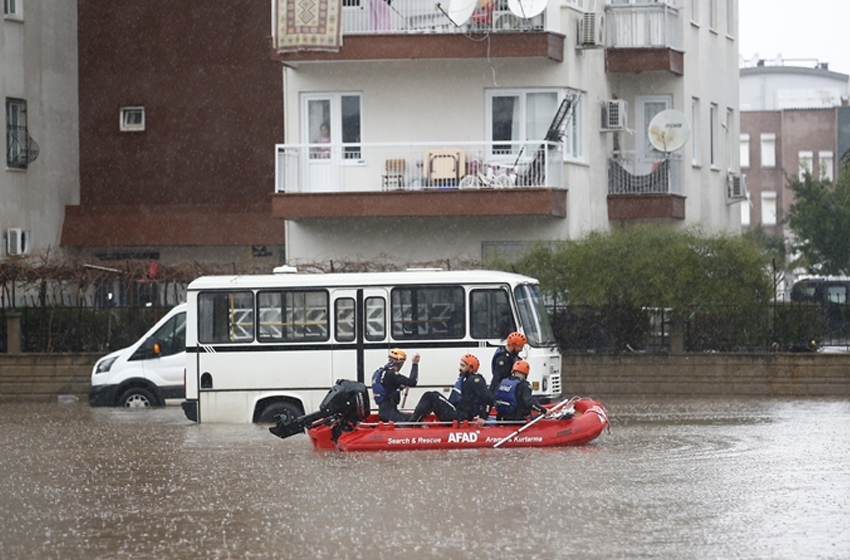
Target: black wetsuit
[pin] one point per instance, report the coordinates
(475, 400)
(392, 382)
(501, 367)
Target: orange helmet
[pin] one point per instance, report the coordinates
(471, 361)
(397, 355)
(517, 339)
(521, 366)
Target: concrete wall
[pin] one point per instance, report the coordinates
(42, 377)
(799, 375)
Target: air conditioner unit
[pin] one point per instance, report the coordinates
(614, 114)
(736, 186)
(17, 241)
(590, 28)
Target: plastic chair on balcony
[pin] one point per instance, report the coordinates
(444, 167)
(394, 174)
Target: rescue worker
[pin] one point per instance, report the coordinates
(514, 400)
(474, 403)
(504, 358)
(387, 384)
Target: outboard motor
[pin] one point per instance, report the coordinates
(347, 403)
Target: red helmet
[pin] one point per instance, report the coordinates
(521, 366)
(516, 339)
(471, 361)
(397, 355)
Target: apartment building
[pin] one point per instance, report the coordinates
(794, 118)
(425, 107)
(38, 84)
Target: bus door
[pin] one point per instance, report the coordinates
(360, 333)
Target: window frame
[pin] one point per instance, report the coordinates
(769, 220)
(767, 145)
(826, 172)
(123, 122)
(574, 140)
(695, 129)
(745, 150)
(398, 306)
(13, 10)
(713, 125)
(805, 157)
(16, 127)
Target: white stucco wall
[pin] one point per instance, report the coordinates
(39, 65)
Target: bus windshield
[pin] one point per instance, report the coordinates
(533, 315)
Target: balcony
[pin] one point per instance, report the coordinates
(643, 38)
(419, 179)
(422, 29)
(642, 186)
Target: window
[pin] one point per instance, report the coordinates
(428, 313)
(574, 132)
(730, 123)
(490, 314)
(517, 116)
(826, 164)
(331, 119)
(768, 150)
(712, 123)
(376, 318)
(12, 9)
(225, 317)
(805, 164)
(745, 150)
(730, 17)
(343, 320)
(745, 211)
(695, 11)
(21, 149)
(712, 14)
(294, 316)
(768, 208)
(171, 338)
(132, 119)
(695, 131)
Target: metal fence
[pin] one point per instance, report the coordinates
(578, 328)
(780, 326)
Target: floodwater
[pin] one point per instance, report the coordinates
(674, 479)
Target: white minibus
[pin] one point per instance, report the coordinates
(264, 345)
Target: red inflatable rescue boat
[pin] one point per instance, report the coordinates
(578, 422)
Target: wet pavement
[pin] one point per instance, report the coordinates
(674, 479)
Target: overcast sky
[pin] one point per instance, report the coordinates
(811, 29)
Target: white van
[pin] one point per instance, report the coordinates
(149, 371)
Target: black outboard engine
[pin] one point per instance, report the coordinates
(346, 404)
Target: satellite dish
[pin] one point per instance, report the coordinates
(669, 130)
(527, 9)
(461, 10)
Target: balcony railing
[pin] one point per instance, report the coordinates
(428, 16)
(640, 173)
(312, 168)
(649, 25)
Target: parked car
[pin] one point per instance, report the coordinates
(149, 371)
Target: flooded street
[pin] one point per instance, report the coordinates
(683, 478)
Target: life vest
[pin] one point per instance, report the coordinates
(377, 387)
(506, 396)
(454, 396)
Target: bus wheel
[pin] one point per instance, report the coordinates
(288, 412)
(137, 397)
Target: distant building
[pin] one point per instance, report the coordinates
(793, 119)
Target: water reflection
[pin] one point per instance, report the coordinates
(739, 478)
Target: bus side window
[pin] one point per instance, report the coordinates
(294, 316)
(428, 313)
(491, 314)
(376, 318)
(225, 317)
(344, 319)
